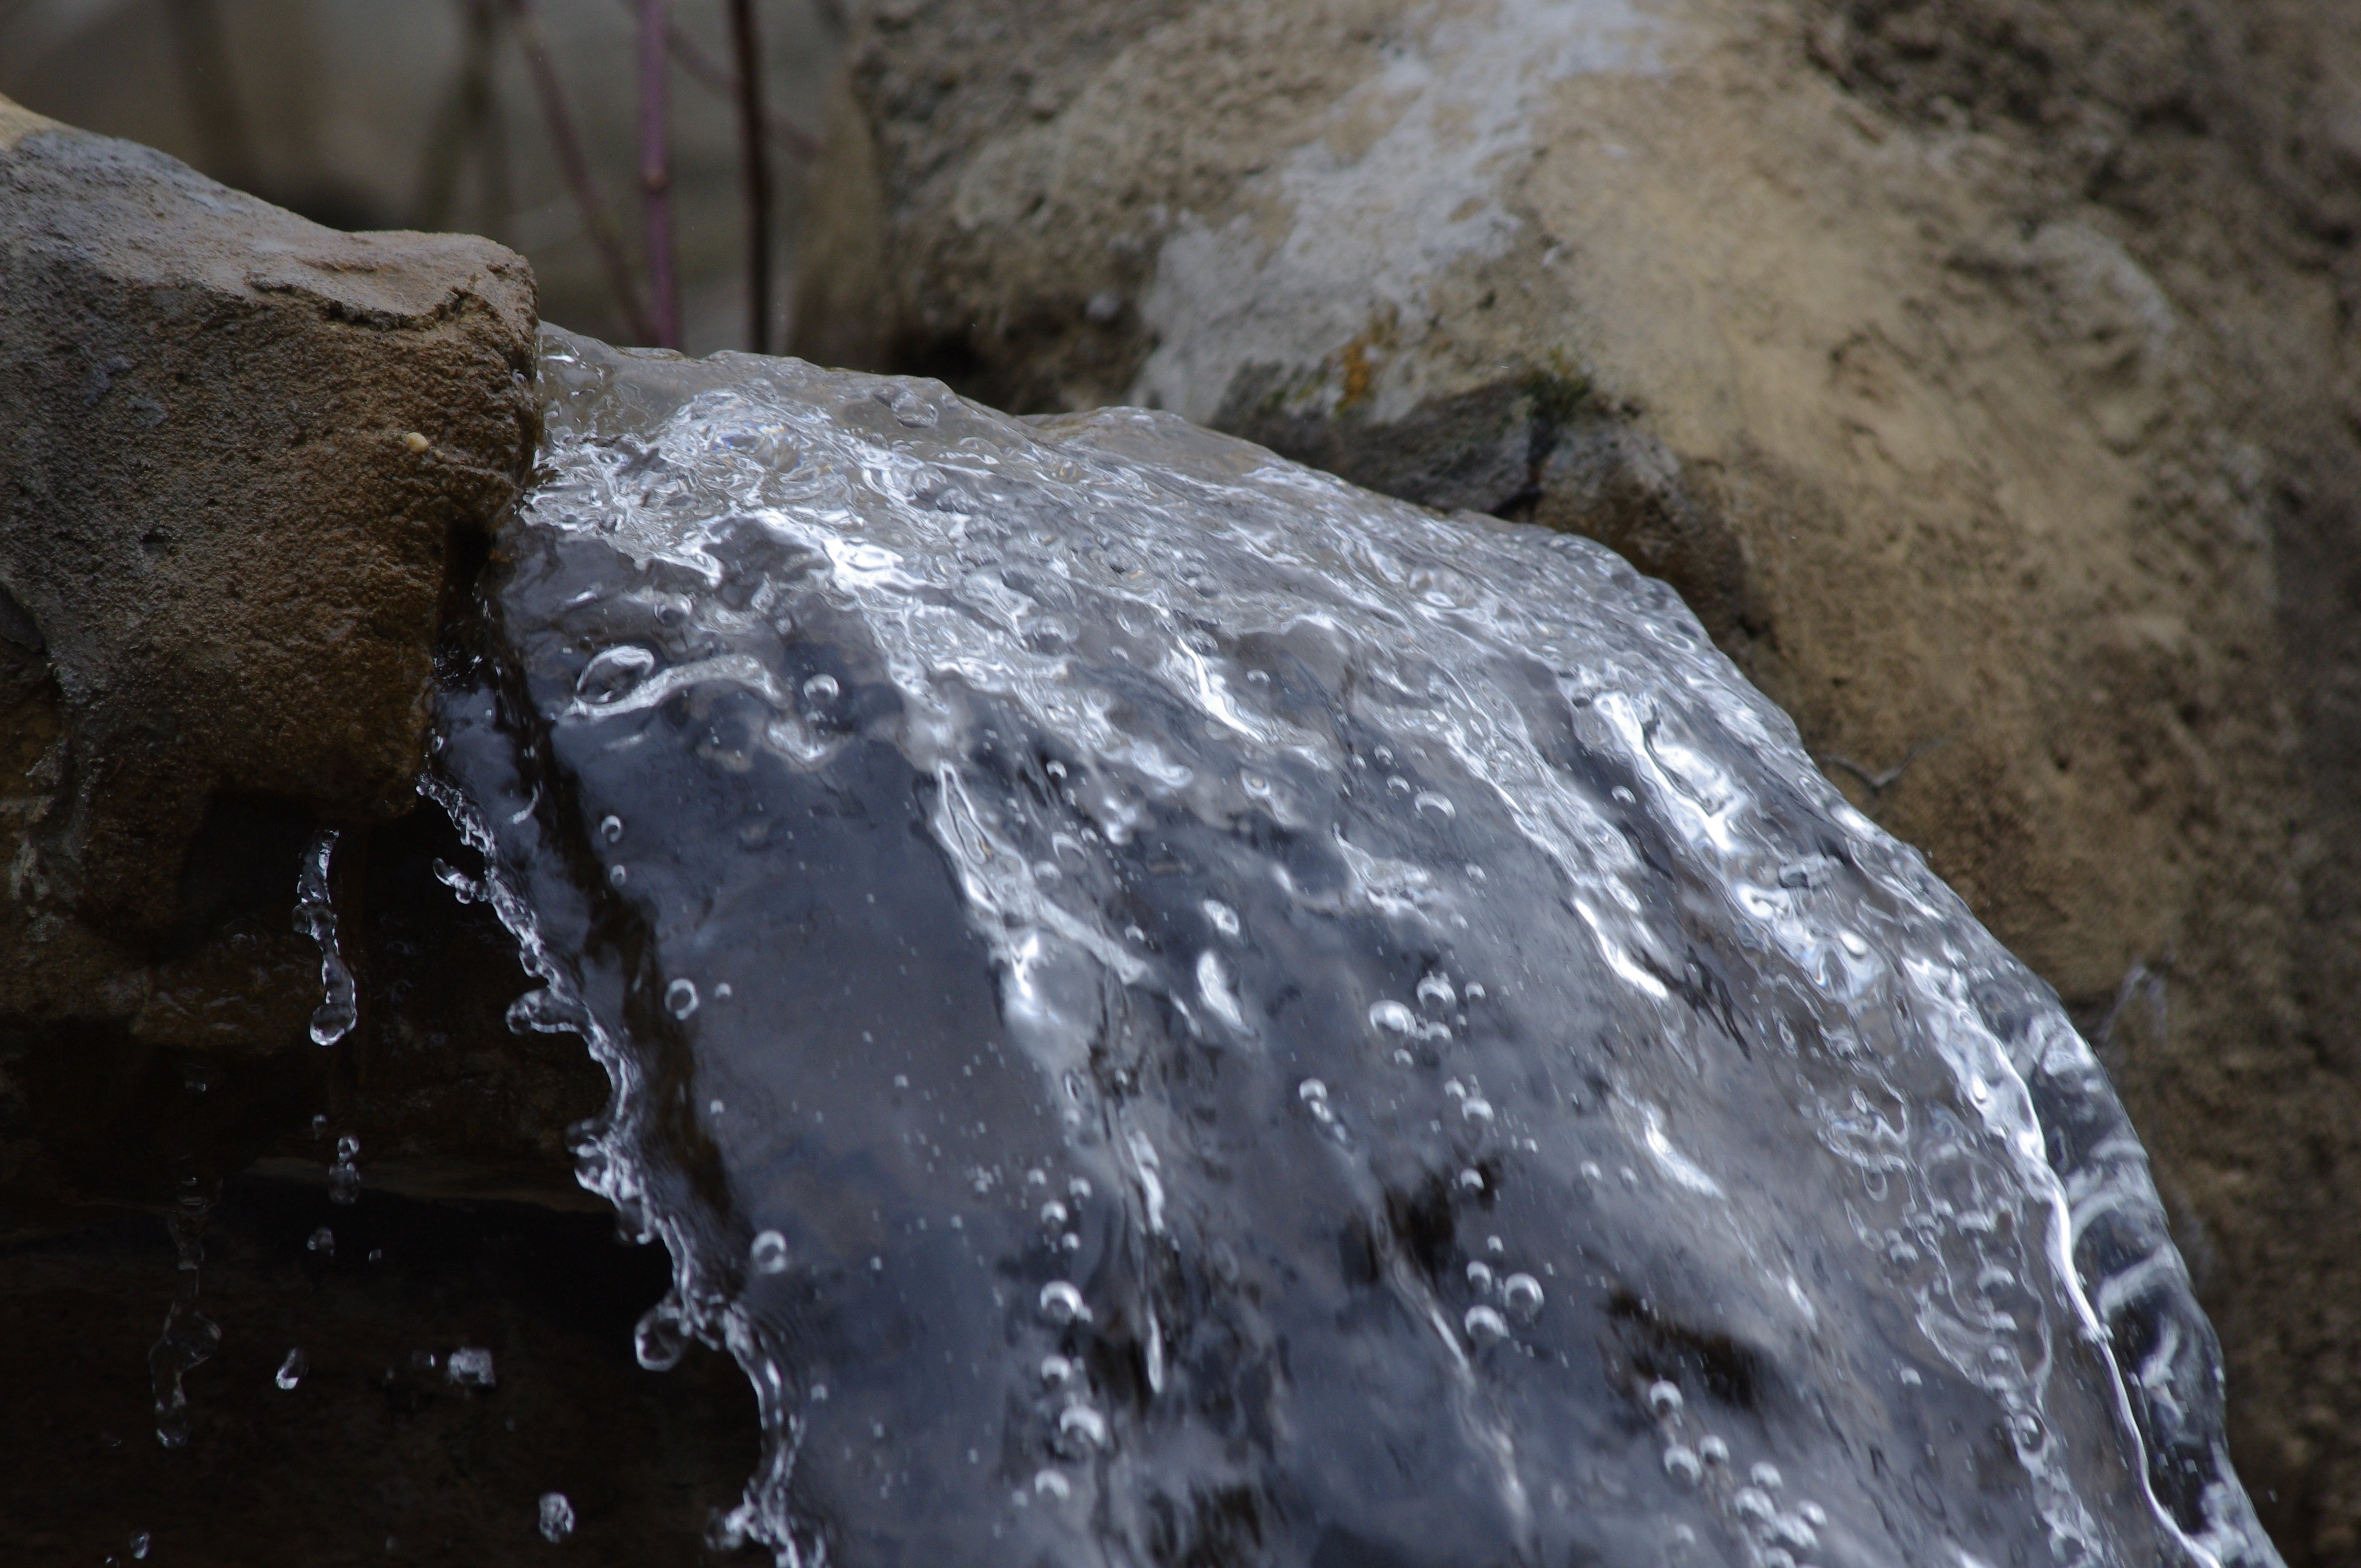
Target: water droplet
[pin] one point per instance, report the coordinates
(1439, 805)
(680, 998)
(1766, 1475)
(1476, 1109)
(1713, 1451)
(1050, 1484)
(140, 1541)
(345, 1176)
(1055, 1370)
(322, 1240)
(1225, 918)
(1523, 1294)
(470, 1366)
(1590, 1171)
(660, 1338)
(1471, 1180)
(1392, 1016)
(1479, 1274)
(1436, 991)
(611, 829)
(821, 688)
(1665, 1399)
(292, 1370)
(1062, 1304)
(1484, 1325)
(1682, 1466)
(556, 1516)
(617, 875)
(1812, 1514)
(770, 1252)
(1080, 1421)
(1753, 1504)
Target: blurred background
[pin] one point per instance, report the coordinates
(457, 114)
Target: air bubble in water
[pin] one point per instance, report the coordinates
(820, 688)
(1713, 1451)
(1523, 1294)
(680, 998)
(1665, 1399)
(1062, 1304)
(556, 1516)
(1080, 1421)
(1435, 990)
(770, 1252)
(1392, 1016)
(611, 829)
(1480, 1274)
(1753, 1505)
(1471, 1180)
(1484, 1325)
(1766, 1475)
(322, 1240)
(292, 1370)
(1225, 918)
(470, 1366)
(1682, 1466)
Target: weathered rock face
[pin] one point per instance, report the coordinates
(2018, 466)
(239, 455)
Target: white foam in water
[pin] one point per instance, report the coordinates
(1398, 747)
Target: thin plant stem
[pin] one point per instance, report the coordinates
(755, 158)
(577, 169)
(655, 175)
(715, 77)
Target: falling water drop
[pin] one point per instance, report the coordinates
(315, 916)
(770, 1252)
(292, 1370)
(1665, 1399)
(322, 1242)
(1523, 1294)
(345, 1176)
(556, 1516)
(1484, 1325)
(1682, 1466)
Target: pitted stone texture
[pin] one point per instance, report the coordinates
(238, 448)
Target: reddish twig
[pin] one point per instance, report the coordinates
(655, 175)
(715, 77)
(757, 169)
(577, 169)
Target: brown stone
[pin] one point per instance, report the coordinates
(243, 461)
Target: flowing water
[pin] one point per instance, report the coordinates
(1169, 1011)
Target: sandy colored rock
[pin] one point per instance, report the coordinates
(1982, 373)
(242, 460)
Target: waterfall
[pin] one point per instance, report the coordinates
(1168, 1010)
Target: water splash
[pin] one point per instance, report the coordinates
(1068, 798)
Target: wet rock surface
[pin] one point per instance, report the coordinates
(1982, 373)
(1167, 1008)
(243, 461)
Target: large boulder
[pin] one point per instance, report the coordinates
(1980, 373)
(244, 459)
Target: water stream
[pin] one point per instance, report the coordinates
(1170, 1011)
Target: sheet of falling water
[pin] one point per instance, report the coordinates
(1168, 1010)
